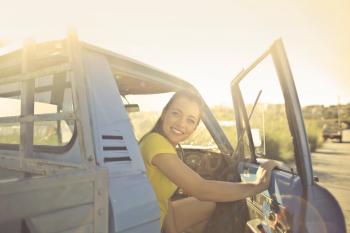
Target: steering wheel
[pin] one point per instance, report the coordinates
(212, 163)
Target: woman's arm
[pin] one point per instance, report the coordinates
(218, 191)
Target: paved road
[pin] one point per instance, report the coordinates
(331, 164)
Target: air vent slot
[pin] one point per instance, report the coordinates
(112, 137)
(117, 159)
(115, 148)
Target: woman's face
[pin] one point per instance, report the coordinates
(180, 120)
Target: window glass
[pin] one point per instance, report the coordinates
(9, 133)
(53, 95)
(10, 107)
(226, 119)
(269, 125)
(151, 107)
(244, 143)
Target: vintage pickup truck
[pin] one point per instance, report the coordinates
(70, 119)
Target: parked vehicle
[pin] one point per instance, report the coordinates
(332, 131)
(71, 117)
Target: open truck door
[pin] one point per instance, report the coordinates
(270, 125)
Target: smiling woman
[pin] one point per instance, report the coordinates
(166, 172)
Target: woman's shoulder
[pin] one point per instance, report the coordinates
(153, 139)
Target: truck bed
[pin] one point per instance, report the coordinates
(73, 202)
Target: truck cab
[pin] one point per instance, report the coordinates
(70, 162)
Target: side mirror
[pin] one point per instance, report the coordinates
(132, 108)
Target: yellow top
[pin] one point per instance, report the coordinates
(150, 146)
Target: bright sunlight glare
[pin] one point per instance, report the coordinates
(206, 43)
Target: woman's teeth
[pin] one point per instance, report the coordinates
(177, 131)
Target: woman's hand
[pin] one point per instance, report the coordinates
(263, 175)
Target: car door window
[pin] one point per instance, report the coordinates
(150, 109)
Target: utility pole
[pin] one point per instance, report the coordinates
(338, 110)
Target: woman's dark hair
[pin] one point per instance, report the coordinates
(188, 94)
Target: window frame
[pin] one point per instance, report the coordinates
(292, 107)
(52, 149)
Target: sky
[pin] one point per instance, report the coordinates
(204, 42)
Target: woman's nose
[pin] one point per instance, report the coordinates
(181, 122)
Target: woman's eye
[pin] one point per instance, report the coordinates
(175, 113)
(191, 121)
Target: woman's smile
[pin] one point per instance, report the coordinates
(176, 131)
